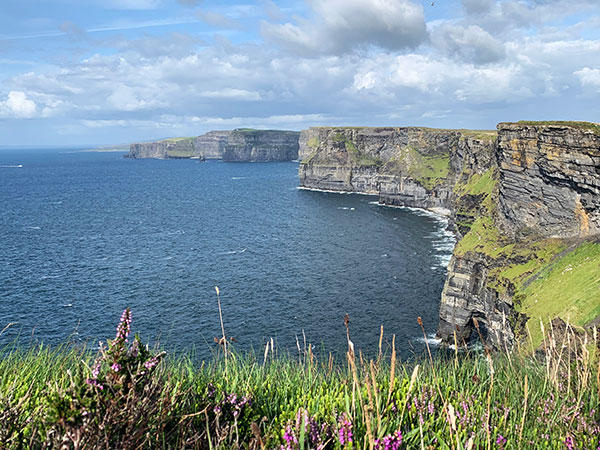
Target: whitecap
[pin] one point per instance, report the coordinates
(431, 340)
(11, 166)
(332, 191)
(33, 228)
(238, 178)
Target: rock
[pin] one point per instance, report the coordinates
(550, 180)
(236, 145)
(261, 145)
(507, 194)
(211, 145)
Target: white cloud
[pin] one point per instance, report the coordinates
(17, 105)
(341, 26)
(132, 4)
(238, 94)
(471, 43)
(589, 77)
(218, 20)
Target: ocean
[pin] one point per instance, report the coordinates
(85, 234)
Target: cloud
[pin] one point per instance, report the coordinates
(589, 77)
(71, 29)
(230, 93)
(17, 105)
(189, 2)
(477, 6)
(131, 4)
(342, 26)
(176, 45)
(470, 44)
(218, 20)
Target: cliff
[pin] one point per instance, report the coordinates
(169, 148)
(236, 145)
(261, 145)
(525, 204)
(416, 167)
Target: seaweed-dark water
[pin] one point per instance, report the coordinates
(85, 234)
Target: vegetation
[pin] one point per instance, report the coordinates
(481, 135)
(568, 288)
(180, 153)
(428, 170)
(126, 396)
(313, 142)
(478, 184)
(591, 126)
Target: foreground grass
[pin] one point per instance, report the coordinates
(52, 398)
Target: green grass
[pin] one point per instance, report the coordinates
(378, 397)
(591, 126)
(179, 139)
(428, 170)
(313, 142)
(569, 289)
(175, 153)
(478, 184)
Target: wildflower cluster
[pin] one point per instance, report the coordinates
(121, 365)
(316, 435)
(389, 442)
(119, 378)
(345, 430)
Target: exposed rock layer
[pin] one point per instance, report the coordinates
(236, 145)
(261, 146)
(534, 182)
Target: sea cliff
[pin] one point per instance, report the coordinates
(524, 202)
(236, 145)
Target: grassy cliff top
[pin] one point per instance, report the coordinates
(178, 139)
(592, 126)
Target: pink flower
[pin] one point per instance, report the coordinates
(116, 367)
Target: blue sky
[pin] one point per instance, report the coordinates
(117, 71)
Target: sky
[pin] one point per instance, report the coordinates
(117, 71)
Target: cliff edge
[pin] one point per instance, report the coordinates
(524, 202)
(236, 145)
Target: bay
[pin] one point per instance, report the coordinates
(85, 234)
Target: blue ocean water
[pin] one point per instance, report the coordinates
(85, 234)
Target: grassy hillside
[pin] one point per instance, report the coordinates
(125, 396)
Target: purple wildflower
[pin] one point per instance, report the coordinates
(152, 362)
(124, 327)
(116, 367)
(389, 442)
(93, 382)
(344, 430)
(501, 440)
(569, 443)
(96, 371)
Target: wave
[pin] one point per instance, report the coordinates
(11, 166)
(332, 191)
(234, 252)
(238, 178)
(346, 208)
(33, 228)
(431, 340)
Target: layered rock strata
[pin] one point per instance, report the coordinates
(261, 145)
(517, 202)
(236, 145)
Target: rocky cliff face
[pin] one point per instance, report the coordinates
(261, 145)
(169, 148)
(513, 200)
(415, 167)
(236, 145)
(547, 194)
(550, 180)
(211, 145)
